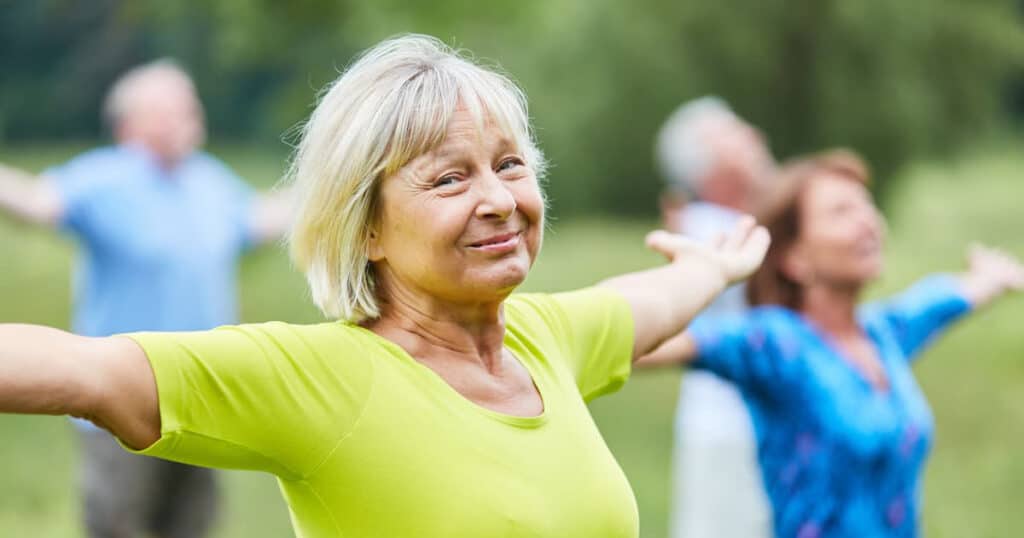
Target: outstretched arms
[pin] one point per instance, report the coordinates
(29, 198)
(106, 380)
(666, 299)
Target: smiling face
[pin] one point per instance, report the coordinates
(841, 234)
(462, 223)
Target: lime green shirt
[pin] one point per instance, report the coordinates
(367, 442)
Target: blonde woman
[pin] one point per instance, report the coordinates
(438, 403)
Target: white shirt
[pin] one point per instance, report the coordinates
(717, 487)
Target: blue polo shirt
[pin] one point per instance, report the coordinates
(839, 458)
(158, 248)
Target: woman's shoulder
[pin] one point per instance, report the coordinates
(326, 335)
(759, 328)
(773, 314)
(561, 310)
(760, 316)
(531, 311)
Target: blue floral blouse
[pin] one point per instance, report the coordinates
(839, 457)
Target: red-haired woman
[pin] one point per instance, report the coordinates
(843, 430)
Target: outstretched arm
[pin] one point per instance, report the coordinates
(29, 198)
(270, 216)
(932, 304)
(106, 380)
(680, 349)
(666, 299)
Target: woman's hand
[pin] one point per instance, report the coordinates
(990, 274)
(664, 300)
(736, 254)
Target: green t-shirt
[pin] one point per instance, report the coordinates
(367, 442)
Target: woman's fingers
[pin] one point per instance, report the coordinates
(738, 254)
(739, 234)
(752, 254)
(719, 241)
(669, 244)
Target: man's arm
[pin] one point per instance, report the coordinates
(270, 216)
(29, 198)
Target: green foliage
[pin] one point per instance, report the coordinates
(895, 80)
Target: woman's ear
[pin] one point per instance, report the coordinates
(374, 250)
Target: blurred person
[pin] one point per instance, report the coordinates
(160, 226)
(717, 168)
(439, 403)
(842, 426)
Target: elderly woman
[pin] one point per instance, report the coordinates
(843, 429)
(438, 404)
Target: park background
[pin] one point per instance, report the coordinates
(931, 91)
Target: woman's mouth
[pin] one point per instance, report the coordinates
(500, 243)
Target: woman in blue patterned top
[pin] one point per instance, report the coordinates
(843, 430)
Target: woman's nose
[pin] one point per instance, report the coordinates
(496, 199)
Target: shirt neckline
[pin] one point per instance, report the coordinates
(450, 393)
(829, 344)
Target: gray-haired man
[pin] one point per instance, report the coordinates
(709, 154)
(161, 226)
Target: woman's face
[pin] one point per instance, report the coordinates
(841, 234)
(462, 223)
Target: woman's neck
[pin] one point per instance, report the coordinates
(832, 308)
(430, 328)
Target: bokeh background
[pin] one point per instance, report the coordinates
(931, 91)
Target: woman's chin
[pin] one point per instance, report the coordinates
(868, 274)
(499, 282)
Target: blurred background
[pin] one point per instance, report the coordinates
(930, 91)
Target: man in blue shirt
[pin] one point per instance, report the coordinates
(160, 227)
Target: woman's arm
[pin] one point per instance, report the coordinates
(917, 315)
(680, 349)
(106, 380)
(991, 274)
(666, 299)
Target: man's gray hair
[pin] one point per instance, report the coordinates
(123, 90)
(683, 152)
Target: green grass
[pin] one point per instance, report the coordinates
(974, 377)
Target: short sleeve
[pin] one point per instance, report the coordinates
(594, 329)
(919, 314)
(270, 397)
(78, 183)
(753, 350)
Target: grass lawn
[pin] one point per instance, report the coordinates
(974, 378)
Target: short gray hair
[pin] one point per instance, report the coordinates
(392, 105)
(683, 153)
(118, 99)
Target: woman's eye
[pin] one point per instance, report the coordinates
(446, 180)
(509, 163)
